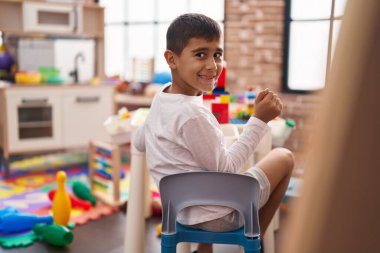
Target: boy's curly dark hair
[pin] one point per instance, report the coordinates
(188, 26)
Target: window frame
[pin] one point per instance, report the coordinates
(286, 43)
(155, 23)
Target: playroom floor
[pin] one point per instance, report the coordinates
(106, 235)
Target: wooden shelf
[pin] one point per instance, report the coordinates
(124, 99)
(86, 4)
(11, 19)
(35, 124)
(92, 21)
(10, 16)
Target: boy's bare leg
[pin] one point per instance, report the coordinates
(278, 165)
(204, 248)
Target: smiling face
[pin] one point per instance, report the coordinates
(197, 68)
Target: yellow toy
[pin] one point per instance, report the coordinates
(28, 78)
(159, 229)
(61, 201)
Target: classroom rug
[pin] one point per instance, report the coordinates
(28, 193)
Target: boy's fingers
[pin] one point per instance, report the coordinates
(262, 94)
(275, 97)
(269, 96)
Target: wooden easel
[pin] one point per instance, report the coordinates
(339, 207)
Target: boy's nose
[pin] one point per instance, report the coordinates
(211, 64)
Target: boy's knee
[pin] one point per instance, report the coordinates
(287, 157)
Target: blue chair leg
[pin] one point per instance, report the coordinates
(251, 251)
(165, 249)
(168, 243)
(255, 247)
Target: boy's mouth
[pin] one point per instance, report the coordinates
(207, 78)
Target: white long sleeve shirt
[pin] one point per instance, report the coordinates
(181, 135)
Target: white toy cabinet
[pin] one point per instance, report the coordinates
(44, 118)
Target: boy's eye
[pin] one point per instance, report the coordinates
(200, 55)
(218, 55)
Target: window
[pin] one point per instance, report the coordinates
(137, 29)
(311, 31)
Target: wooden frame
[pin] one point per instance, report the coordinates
(115, 163)
(286, 40)
(339, 207)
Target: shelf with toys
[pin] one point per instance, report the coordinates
(40, 27)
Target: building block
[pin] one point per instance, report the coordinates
(221, 112)
(224, 99)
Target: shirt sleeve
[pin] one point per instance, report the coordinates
(139, 139)
(205, 141)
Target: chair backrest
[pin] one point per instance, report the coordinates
(210, 188)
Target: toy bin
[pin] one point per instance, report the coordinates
(281, 130)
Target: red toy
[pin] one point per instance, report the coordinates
(220, 112)
(75, 202)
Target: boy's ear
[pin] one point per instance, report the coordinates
(170, 58)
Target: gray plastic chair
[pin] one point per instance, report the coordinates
(179, 191)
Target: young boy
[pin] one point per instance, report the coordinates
(181, 135)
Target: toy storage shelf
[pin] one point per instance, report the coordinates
(20, 18)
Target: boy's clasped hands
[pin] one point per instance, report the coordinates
(267, 106)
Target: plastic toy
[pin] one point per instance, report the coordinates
(18, 222)
(251, 102)
(118, 127)
(219, 99)
(7, 210)
(156, 204)
(162, 77)
(83, 192)
(54, 234)
(7, 64)
(22, 240)
(50, 75)
(28, 78)
(281, 129)
(221, 83)
(105, 162)
(94, 213)
(220, 112)
(122, 86)
(75, 202)
(61, 201)
(159, 229)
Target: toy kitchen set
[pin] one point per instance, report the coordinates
(72, 60)
(58, 48)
